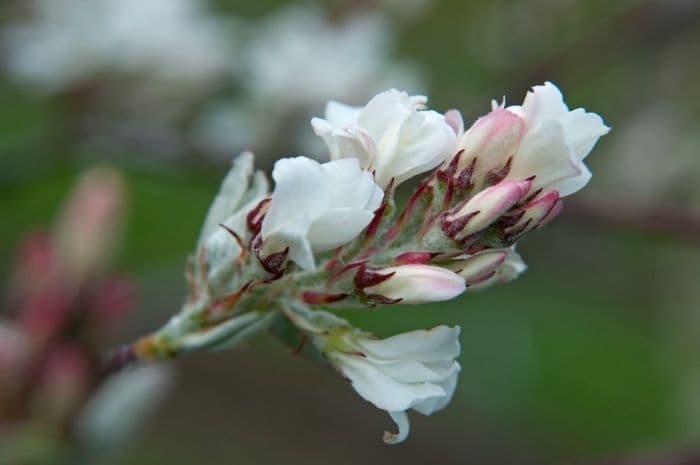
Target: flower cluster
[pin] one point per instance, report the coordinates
(331, 235)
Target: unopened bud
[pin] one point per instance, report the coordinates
(91, 223)
(414, 284)
(484, 208)
(491, 140)
(480, 266)
(512, 266)
(532, 215)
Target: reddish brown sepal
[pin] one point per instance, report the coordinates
(444, 174)
(455, 226)
(274, 263)
(495, 176)
(235, 235)
(256, 215)
(317, 298)
(345, 269)
(464, 178)
(226, 303)
(415, 258)
(366, 278)
(336, 260)
(381, 299)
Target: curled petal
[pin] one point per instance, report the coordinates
(404, 426)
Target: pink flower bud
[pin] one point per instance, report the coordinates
(480, 266)
(532, 215)
(64, 381)
(490, 141)
(414, 284)
(483, 209)
(90, 225)
(15, 351)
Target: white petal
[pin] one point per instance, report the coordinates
(544, 153)
(340, 114)
(413, 371)
(433, 345)
(345, 142)
(570, 185)
(300, 250)
(316, 207)
(351, 187)
(544, 102)
(401, 420)
(429, 406)
(301, 192)
(424, 141)
(337, 227)
(583, 130)
(387, 109)
(382, 390)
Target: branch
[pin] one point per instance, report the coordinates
(678, 457)
(649, 219)
(117, 358)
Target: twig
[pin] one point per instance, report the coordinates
(649, 219)
(678, 457)
(117, 358)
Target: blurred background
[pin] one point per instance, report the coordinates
(589, 356)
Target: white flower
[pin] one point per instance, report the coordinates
(69, 41)
(411, 370)
(543, 138)
(415, 284)
(316, 207)
(392, 136)
(555, 141)
(337, 59)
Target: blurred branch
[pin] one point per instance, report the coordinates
(678, 457)
(117, 358)
(649, 219)
(646, 24)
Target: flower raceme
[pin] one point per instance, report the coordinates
(331, 235)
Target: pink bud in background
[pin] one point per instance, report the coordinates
(484, 208)
(15, 351)
(64, 381)
(90, 225)
(414, 284)
(113, 300)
